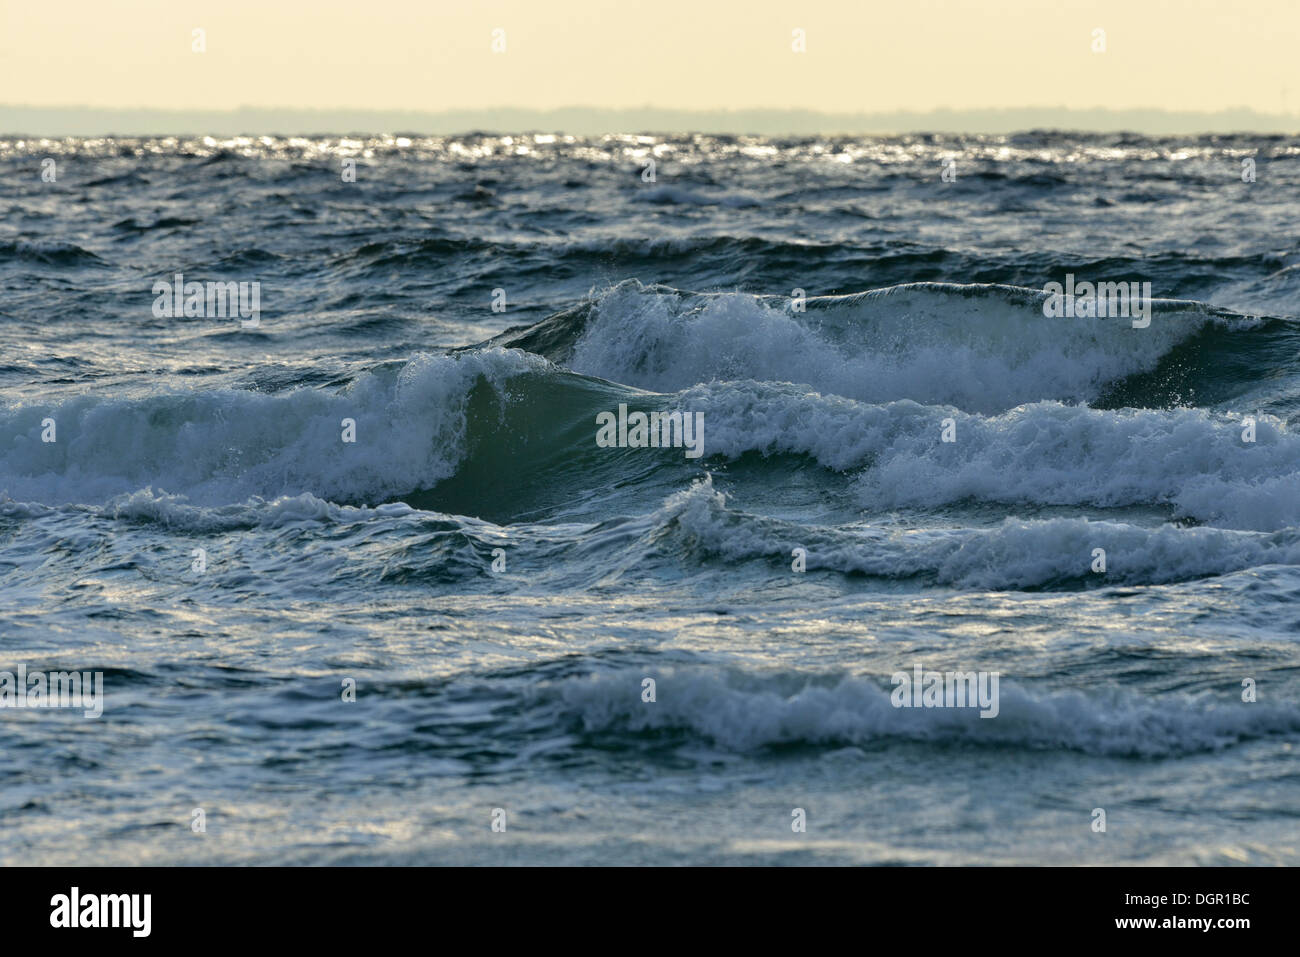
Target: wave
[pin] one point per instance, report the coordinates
(133, 225)
(741, 712)
(504, 422)
(979, 347)
(1277, 293)
(1193, 461)
(697, 525)
(48, 253)
(227, 445)
(696, 528)
(681, 196)
(493, 429)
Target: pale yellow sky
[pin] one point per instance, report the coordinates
(862, 55)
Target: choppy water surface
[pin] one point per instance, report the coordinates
(521, 688)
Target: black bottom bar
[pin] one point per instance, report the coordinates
(651, 907)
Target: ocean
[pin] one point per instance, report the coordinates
(365, 584)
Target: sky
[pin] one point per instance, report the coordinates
(861, 55)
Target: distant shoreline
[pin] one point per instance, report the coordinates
(582, 121)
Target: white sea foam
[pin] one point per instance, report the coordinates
(742, 712)
(980, 348)
(1190, 460)
(1012, 555)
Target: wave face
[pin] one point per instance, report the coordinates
(906, 460)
